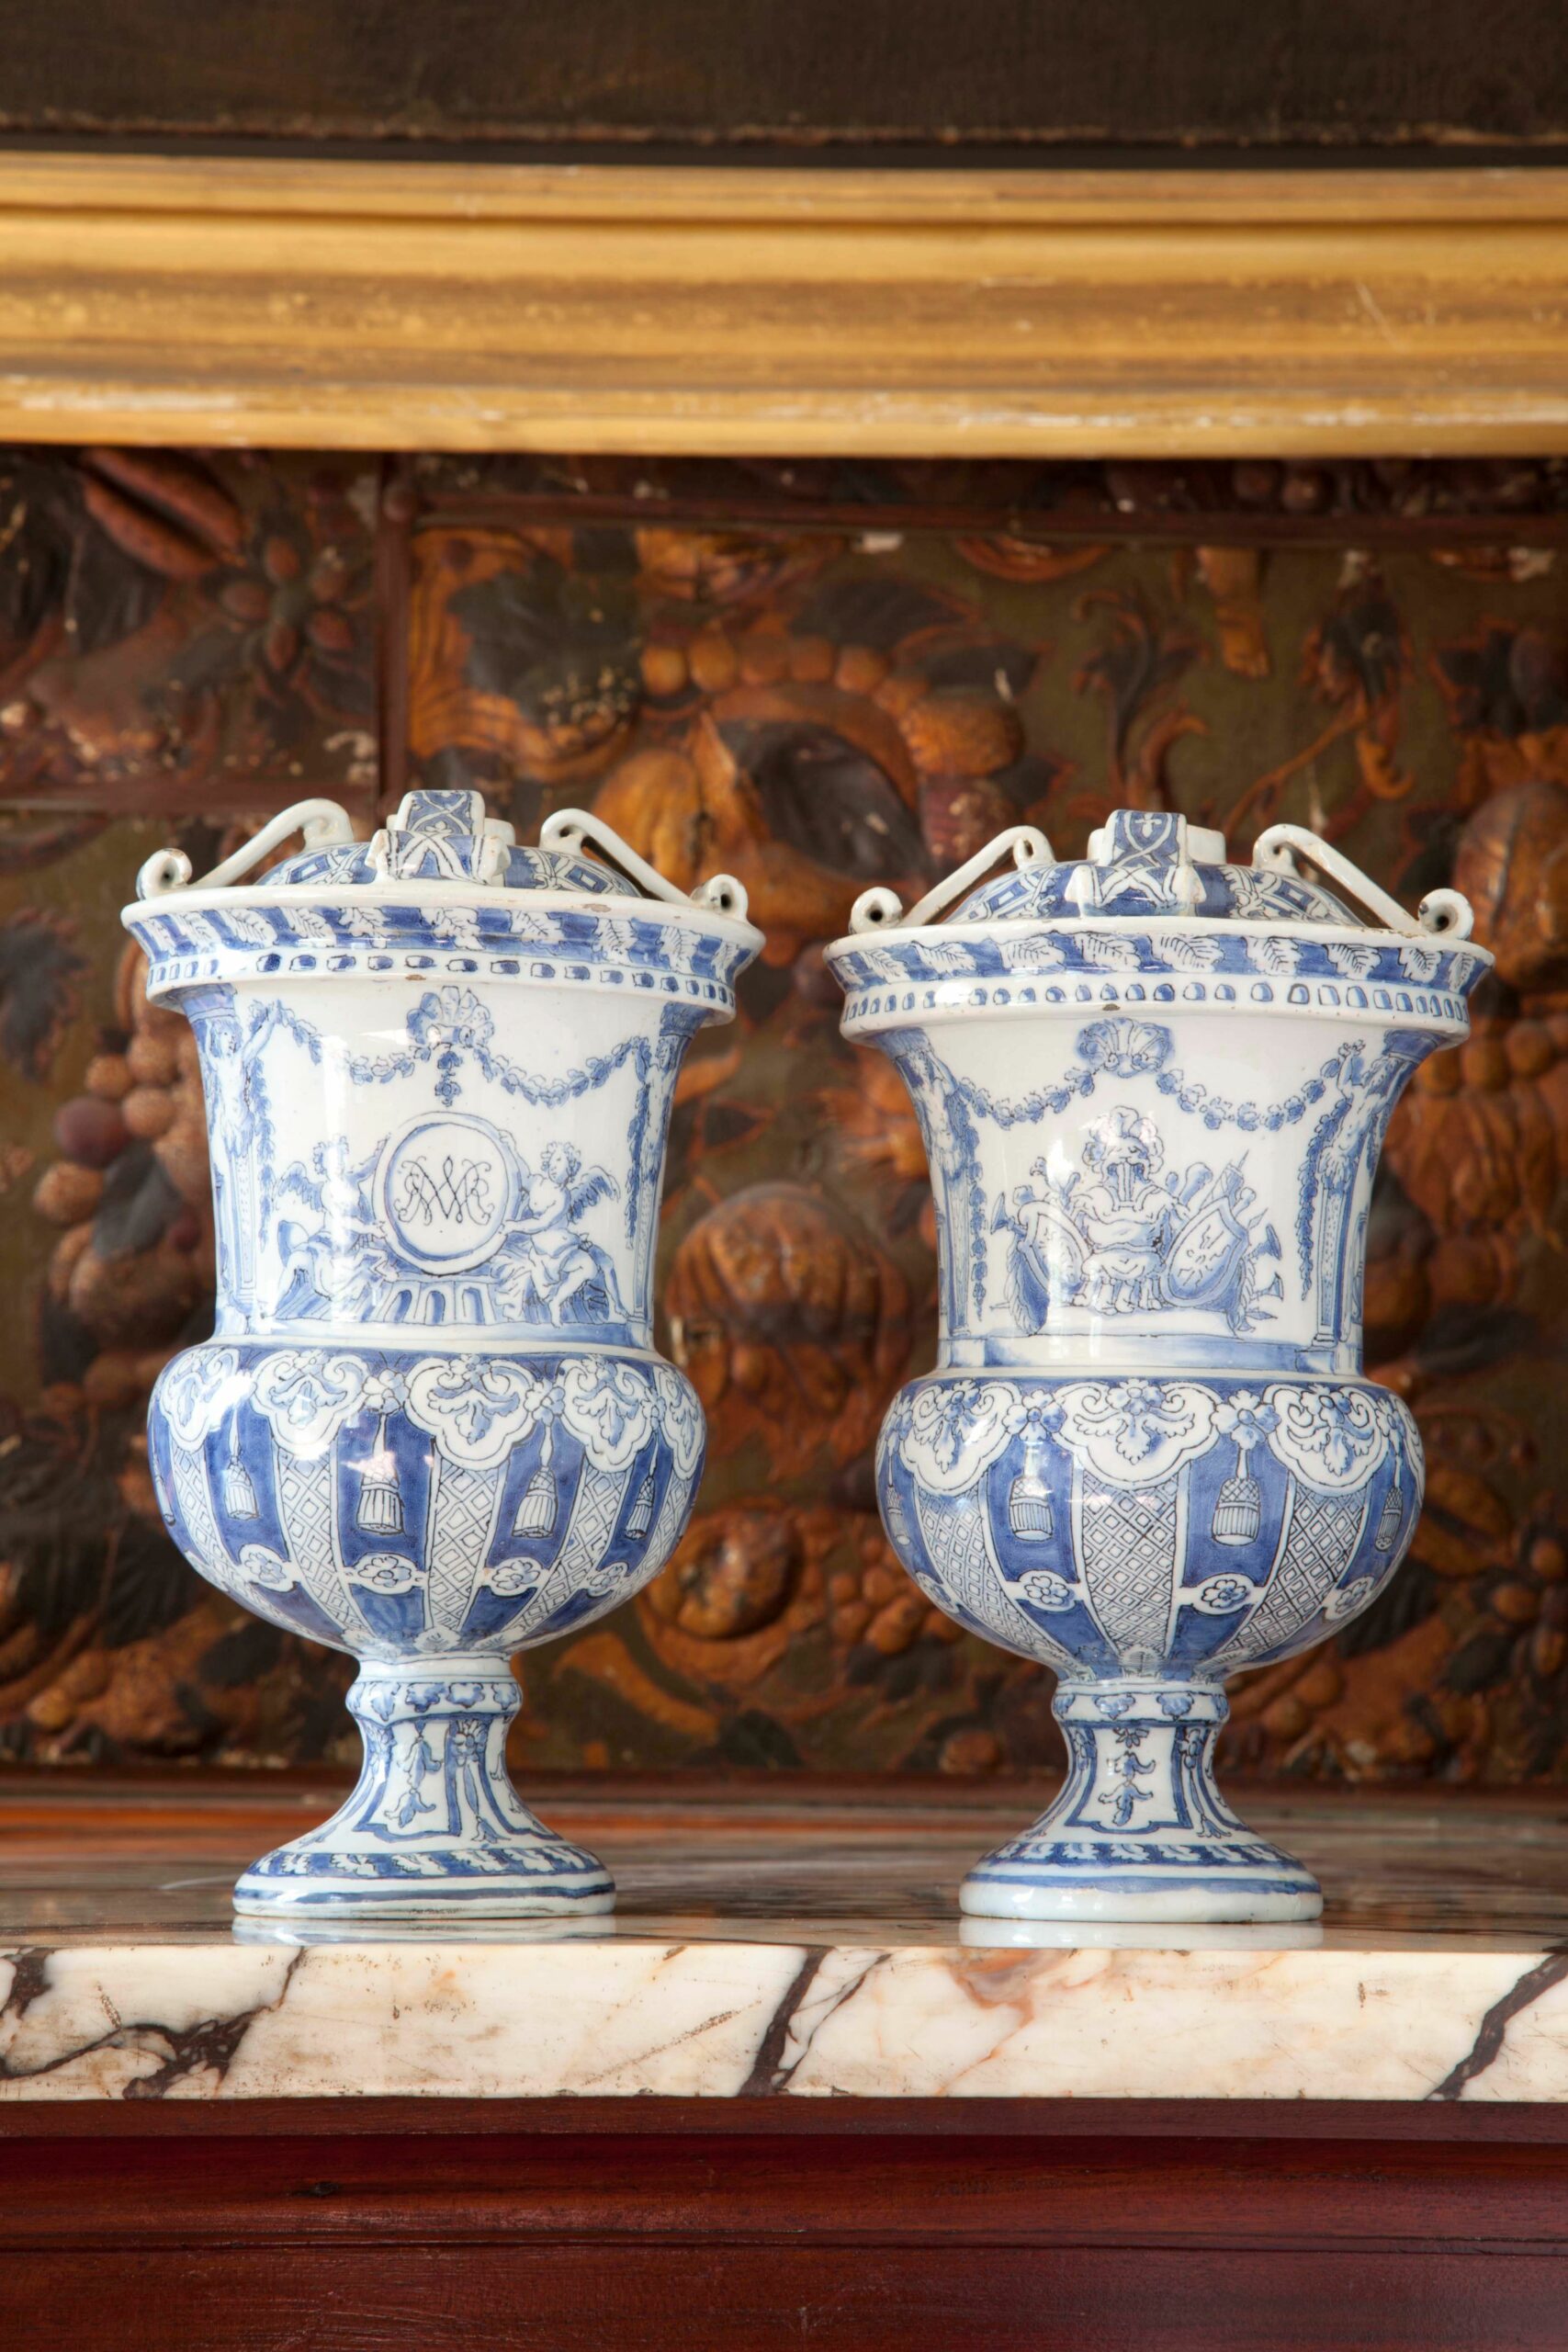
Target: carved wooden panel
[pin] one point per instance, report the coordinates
(185, 644)
(813, 677)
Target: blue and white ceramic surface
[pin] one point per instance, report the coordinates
(1153, 1088)
(430, 1427)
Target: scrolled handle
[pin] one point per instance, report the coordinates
(1441, 914)
(875, 909)
(322, 823)
(569, 828)
(1446, 914)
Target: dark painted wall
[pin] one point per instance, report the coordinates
(715, 76)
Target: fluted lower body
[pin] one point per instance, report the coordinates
(1145, 1538)
(433, 1514)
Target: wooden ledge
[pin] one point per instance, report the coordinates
(775, 311)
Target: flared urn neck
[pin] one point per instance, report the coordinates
(1153, 1088)
(438, 1071)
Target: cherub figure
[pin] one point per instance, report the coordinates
(552, 1266)
(321, 1266)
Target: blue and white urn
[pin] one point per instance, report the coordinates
(430, 1427)
(1153, 1088)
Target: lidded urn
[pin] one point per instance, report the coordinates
(430, 1427)
(1153, 1087)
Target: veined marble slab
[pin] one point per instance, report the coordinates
(794, 1949)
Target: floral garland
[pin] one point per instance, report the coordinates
(1121, 1051)
(449, 1022)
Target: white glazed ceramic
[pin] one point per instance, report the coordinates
(430, 1427)
(1153, 1088)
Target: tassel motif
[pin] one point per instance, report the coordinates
(639, 1519)
(537, 1506)
(1238, 1510)
(380, 1510)
(239, 1491)
(1030, 1515)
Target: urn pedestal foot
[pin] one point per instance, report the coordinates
(1140, 1831)
(435, 1828)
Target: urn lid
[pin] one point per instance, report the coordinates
(1144, 863)
(448, 837)
(438, 839)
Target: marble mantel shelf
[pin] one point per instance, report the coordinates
(783, 1942)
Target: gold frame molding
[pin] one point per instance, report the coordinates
(759, 312)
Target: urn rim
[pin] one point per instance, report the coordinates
(707, 921)
(1164, 920)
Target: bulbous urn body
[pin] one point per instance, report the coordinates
(1153, 1088)
(430, 1427)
